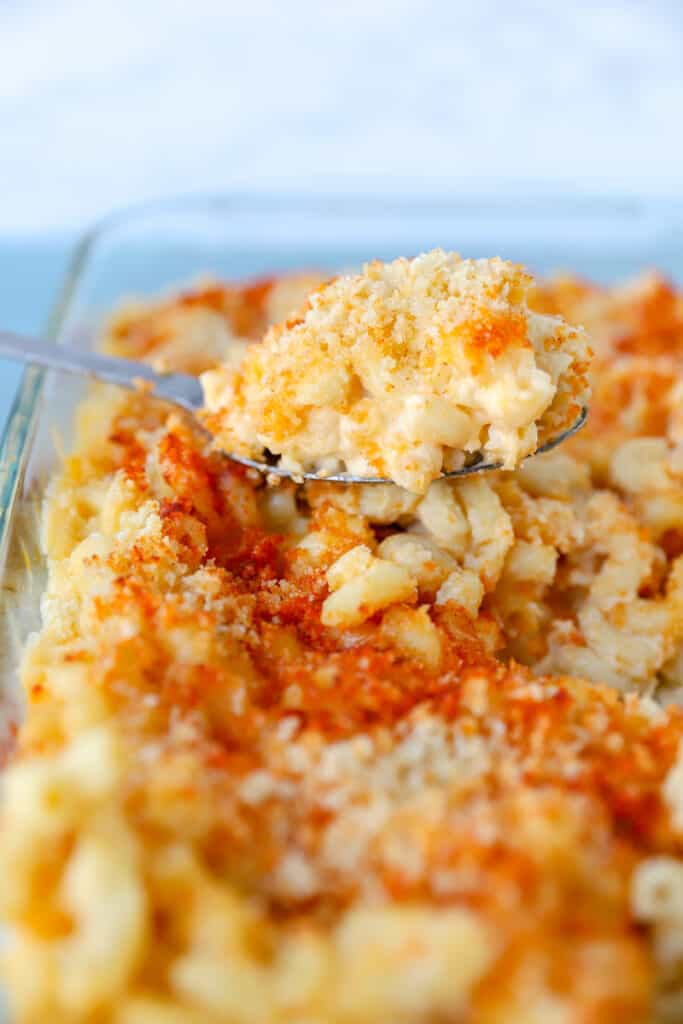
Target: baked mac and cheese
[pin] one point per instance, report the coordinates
(355, 755)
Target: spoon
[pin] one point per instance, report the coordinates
(186, 392)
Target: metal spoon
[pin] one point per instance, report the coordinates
(185, 391)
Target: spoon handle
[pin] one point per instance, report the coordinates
(179, 388)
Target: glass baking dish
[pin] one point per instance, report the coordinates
(149, 249)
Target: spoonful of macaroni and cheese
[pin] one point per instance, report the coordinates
(405, 372)
(410, 370)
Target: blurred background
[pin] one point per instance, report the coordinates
(104, 104)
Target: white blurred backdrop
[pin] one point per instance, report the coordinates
(103, 103)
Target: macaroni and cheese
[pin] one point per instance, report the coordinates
(355, 755)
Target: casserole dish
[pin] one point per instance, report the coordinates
(147, 252)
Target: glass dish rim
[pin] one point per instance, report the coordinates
(17, 436)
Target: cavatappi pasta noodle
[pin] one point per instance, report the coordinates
(316, 755)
